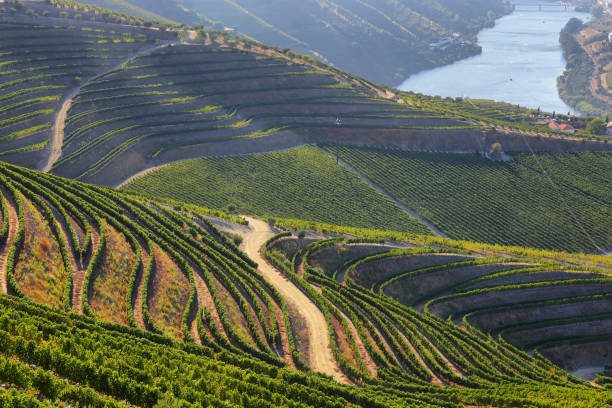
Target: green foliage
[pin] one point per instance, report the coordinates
(469, 197)
(397, 336)
(597, 127)
(575, 83)
(301, 183)
(237, 239)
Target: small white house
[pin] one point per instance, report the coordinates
(609, 130)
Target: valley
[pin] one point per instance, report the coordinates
(347, 33)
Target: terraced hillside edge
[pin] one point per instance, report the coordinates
(558, 309)
(151, 100)
(548, 200)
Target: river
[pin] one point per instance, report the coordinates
(520, 61)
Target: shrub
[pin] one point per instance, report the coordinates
(237, 238)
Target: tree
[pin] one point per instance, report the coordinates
(301, 235)
(272, 221)
(496, 151)
(597, 127)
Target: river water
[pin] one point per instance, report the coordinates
(520, 61)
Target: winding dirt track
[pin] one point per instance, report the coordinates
(320, 354)
(13, 225)
(59, 123)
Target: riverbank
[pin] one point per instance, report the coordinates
(586, 83)
(520, 62)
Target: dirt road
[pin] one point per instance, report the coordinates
(57, 132)
(320, 354)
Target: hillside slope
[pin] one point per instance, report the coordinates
(550, 200)
(549, 305)
(360, 36)
(133, 97)
(125, 261)
(300, 183)
(46, 56)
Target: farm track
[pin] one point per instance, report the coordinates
(13, 226)
(78, 276)
(376, 187)
(59, 123)
(320, 354)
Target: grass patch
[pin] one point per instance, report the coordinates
(111, 286)
(40, 270)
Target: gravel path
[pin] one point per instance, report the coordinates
(320, 354)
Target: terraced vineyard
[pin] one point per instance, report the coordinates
(40, 65)
(560, 310)
(373, 294)
(114, 299)
(545, 201)
(118, 99)
(88, 249)
(175, 103)
(118, 253)
(300, 183)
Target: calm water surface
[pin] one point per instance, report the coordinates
(520, 61)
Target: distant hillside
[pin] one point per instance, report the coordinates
(586, 83)
(384, 40)
(101, 97)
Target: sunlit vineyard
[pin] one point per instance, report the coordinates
(372, 334)
(236, 335)
(545, 201)
(343, 292)
(301, 183)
